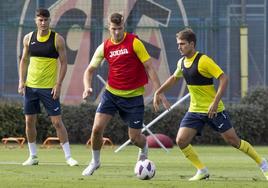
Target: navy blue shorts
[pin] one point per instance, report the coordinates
(220, 123)
(32, 99)
(131, 109)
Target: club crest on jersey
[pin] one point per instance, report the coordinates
(118, 52)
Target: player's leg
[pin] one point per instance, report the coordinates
(100, 122)
(189, 127)
(131, 110)
(31, 137)
(231, 137)
(222, 124)
(63, 137)
(104, 114)
(53, 109)
(31, 108)
(139, 140)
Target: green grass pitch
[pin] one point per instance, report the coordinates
(228, 168)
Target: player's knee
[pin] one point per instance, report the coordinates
(57, 124)
(233, 142)
(134, 139)
(181, 142)
(29, 124)
(97, 131)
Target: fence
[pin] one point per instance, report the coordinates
(83, 25)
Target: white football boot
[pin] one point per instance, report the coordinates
(71, 162)
(91, 168)
(32, 160)
(200, 175)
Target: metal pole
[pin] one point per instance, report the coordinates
(40, 4)
(156, 119)
(265, 49)
(244, 50)
(243, 12)
(155, 138)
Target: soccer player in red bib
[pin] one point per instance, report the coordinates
(206, 106)
(130, 66)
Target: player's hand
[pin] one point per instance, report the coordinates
(160, 98)
(164, 101)
(87, 92)
(56, 91)
(212, 110)
(21, 88)
(156, 101)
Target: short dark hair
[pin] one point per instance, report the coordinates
(116, 18)
(187, 34)
(42, 12)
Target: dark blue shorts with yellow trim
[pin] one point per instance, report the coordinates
(131, 109)
(220, 123)
(33, 97)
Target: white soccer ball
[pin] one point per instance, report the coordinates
(145, 169)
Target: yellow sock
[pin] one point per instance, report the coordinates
(248, 149)
(192, 156)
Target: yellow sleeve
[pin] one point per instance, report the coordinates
(178, 71)
(140, 50)
(208, 68)
(98, 56)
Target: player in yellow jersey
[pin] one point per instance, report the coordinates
(206, 106)
(38, 81)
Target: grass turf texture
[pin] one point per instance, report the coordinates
(228, 168)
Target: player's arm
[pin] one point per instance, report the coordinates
(23, 64)
(213, 70)
(223, 82)
(88, 74)
(61, 48)
(172, 80)
(145, 58)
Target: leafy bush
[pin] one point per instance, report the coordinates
(248, 118)
(11, 119)
(258, 98)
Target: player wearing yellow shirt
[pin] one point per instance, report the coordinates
(206, 106)
(43, 48)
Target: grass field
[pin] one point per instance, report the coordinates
(228, 168)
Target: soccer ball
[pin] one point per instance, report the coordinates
(145, 169)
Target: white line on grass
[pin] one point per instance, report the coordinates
(40, 163)
(55, 163)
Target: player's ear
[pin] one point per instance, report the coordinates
(192, 44)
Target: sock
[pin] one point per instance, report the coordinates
(250, 151)
(95, 156)
(144, 150)
(192, 156)
(264, 166)
(32, 149)
(66, 150)
(202, 171)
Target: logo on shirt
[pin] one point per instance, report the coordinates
(118, 52)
